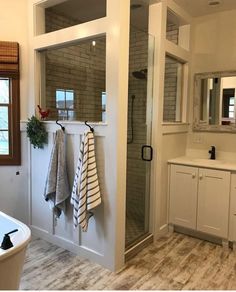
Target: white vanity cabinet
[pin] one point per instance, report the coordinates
(213, 202)
(199, 199)
(232, 219)
(183, 195)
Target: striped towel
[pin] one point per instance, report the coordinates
(86, 192)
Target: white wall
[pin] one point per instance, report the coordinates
(169, 139)
(14, 27)
(105, 240)
(214, 49)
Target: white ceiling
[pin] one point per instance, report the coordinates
(201, 7)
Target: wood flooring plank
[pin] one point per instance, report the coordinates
(174, 262)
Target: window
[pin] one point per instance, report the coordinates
(104, 102)
(173, 90)
(9, 104)
(63, 14)
(228, 104)
(73, 80)
(177, 30)
(231, 107)
(172, 28)
(4, 116)
(65, 104)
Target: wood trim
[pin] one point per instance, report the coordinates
(203, 126)
(136, 248)
(177, 52)
(14, 158)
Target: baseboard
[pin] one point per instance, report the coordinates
(132, 251)
(198, 234)
(70, 246)
(163, 230)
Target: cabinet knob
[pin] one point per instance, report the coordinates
(200, 176)
(193, 175)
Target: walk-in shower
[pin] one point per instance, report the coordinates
(131, 139)
(139, 128)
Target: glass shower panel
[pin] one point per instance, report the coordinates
(74, 80)
(139, 151)
(53, 15)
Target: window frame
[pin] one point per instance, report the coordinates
(66, 109)
(179, 84)
(180, 52)
(14, 156)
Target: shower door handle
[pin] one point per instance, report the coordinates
(151, 152)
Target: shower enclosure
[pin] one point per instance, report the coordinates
(139, 150)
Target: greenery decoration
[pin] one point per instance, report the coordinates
(36, 132)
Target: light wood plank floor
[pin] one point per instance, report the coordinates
(175, 262)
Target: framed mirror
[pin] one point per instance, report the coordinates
(215, 102)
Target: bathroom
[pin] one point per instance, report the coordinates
(128, 45)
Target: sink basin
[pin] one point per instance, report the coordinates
(207, 161)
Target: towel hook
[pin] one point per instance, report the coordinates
(91, 129)
(63, 128)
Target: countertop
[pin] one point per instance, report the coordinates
(204, 162)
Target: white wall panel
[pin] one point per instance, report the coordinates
(41, 215)
(62, 228)
(14, 188)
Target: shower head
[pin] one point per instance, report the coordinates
(141, 74)
(135, 6)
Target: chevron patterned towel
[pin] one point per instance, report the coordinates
(86, 191)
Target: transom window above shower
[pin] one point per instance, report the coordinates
(177, 30)
(73, 81)
(177, 58)
(52, 15)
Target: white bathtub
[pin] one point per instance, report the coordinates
(12, 260)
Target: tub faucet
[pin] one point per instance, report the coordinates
(212, 152)
(6, 243)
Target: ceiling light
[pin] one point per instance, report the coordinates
(214, 2)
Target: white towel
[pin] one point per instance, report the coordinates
(86, 191)
(57, 187)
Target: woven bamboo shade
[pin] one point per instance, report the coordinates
(9, 57)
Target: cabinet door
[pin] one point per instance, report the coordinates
(183, 195)
(232, 212)
(213, 202)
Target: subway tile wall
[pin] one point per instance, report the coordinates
(170, 86)
(78, 67)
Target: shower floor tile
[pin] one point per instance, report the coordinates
(134, 229)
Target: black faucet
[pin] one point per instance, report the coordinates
(6, 243)
(212, 152)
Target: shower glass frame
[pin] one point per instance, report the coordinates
(141, 106)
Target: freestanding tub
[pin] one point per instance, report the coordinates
(12, 260)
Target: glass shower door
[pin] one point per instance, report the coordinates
(139, 150)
